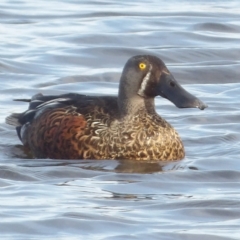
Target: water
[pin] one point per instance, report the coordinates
(81, 46)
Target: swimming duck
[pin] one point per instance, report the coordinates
(76, 126)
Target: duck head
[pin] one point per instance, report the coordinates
(146, 77)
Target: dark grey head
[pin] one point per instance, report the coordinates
(145, 77)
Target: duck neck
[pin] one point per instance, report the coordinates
(134, 105)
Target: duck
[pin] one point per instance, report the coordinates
(127, 126)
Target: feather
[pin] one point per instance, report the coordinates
(13, 119)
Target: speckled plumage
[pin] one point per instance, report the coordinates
(74, 126)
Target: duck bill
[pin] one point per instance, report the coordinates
(170, 89)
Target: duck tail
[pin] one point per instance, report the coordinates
(13, 119)
(22, 100)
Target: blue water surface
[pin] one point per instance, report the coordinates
(59, 46)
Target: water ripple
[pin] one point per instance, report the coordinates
(55, 47)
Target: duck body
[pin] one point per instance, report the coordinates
(75, 126)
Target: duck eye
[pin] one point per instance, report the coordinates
(142, 66)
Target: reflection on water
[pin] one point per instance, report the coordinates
(71, 46)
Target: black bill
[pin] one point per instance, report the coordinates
(170, 89)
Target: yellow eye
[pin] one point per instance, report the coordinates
(142, 66)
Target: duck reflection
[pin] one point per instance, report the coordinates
(127, 166)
